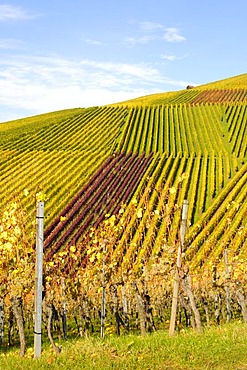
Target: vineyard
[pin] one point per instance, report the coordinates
(114, 179)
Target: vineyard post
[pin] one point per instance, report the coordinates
(103, 301)
(38, 279)
(64, 317)
(178, 267)
(125, 307)
(228, 299)
(1, 320)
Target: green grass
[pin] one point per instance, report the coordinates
(223, 347)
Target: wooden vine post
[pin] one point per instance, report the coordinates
(64, 315)
(38, 279)
(228, 298)
(175, 296)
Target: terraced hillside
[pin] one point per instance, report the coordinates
(90, 161)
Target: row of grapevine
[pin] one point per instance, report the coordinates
(94, 127)
(237, 121)
(216, 204)
(73, 276)
(47, 158)
(222, 221)
(59, 175)
(111, 186)
(30, 138)
(224, 230)
(193, 96)
(236, 82)
(151, 236)
(176, 178)
(182, 128)
(93, 201)
(131, 241)
(115, 182)
(173, 97)
(220, 96)
(14, 130)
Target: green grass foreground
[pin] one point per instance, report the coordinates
(223, 347)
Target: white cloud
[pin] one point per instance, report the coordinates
(94, 42)
(172, 35)
(132, 41)
(150, 26)
(170, 57)
(44, 84)
(10, 44)
(11, 12)
(154, 31)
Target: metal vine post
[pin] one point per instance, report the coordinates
(38, 279)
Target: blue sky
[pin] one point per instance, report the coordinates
(57, 54)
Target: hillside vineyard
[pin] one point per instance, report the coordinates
(145, 215)
(88, 162)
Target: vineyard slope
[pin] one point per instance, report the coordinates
(88, 162)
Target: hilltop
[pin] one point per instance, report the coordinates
(188, 95)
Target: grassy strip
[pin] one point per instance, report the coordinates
(223, 347)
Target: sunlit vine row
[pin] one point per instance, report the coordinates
(175, 128)
(104, 195)
(220, 96)
(96, 126)
(214, 223)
